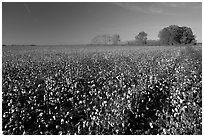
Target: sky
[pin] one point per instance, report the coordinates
(45, 23)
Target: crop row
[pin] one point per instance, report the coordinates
(157, 92)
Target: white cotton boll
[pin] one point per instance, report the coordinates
(57, 126)
(60, 132)
(12, 110)
(24, 133)
(150, 124)
(41, 114)
(181, 101)
(164, 131)
(80, 102)
(4, 115)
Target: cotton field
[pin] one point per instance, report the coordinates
(102, 90)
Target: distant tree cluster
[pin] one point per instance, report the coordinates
(106, 39)
(172, 35)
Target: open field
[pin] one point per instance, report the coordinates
(101, 90)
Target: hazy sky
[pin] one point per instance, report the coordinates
(77, 23)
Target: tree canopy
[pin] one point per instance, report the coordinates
(142, 37)
(176, 35)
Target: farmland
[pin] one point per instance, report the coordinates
(102, 90)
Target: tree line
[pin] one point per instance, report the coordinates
(171, 35)
(106, 39)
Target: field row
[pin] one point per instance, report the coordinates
(102, 91)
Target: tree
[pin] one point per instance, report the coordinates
(101, 39)
(106, 39)
(164, 36)
(116, 39)
(141, 37)
(187, 36)
(170, 35)
(176, 35)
